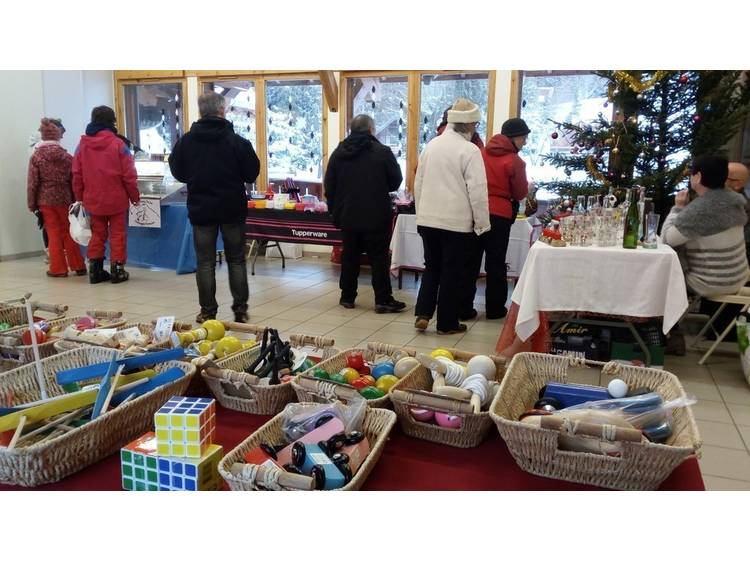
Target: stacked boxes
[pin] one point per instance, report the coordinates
(180, 455)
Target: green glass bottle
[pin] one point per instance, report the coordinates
(632, 221)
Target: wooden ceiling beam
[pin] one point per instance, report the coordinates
(330, 89)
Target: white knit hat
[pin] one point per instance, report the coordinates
(464, 111)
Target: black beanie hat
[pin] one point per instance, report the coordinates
(515, 127)
(103, 115)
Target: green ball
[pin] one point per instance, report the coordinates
(338, 377)
(371, 393)
(321, 374)
(4, 326)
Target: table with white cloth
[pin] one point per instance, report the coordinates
(407, 251)
(612, 281)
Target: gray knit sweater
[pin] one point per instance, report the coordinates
(712, 230)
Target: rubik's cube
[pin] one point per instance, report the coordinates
(185, 427)
(139, 464)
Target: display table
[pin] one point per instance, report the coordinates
(300, 227)
(611, 281)
(406, 464)
(407, 251)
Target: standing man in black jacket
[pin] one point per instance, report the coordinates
(216, 163)
(360, 175)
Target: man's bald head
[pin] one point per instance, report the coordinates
(738, 176)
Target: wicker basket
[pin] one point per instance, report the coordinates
(406, 394)
(8, 364)
(377, 425)
(54, 459)
(642, 466)
(325, 391)
(147, 329)
(15, 314)
(25, 353)
(233, 390)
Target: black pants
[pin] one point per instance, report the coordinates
(204, 237)
(494, 244)
(375, 244)
(445, 257)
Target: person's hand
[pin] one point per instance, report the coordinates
(682, 198)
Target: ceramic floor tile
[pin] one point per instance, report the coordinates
(720, 435)
(709, 410)
(745, 433)
(392, 337)
(740, 414)
(431, 339)
(735, 395)
(365, 321)
(350, 332)
(727, 463)
(718, 484)
(701, 390)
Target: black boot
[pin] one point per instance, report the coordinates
(96, 272)
(119, 275)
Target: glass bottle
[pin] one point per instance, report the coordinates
(641, 211)
(632, 222)
(580, 207)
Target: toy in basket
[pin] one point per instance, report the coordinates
(19, 343)
(49, 433)
(13, 313)
(446, 398)
(211, 340)
(256, 380)
(629, 435)
(370, 373)
(131, 339)
(311, 446)
(181, 455)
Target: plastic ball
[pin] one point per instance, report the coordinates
(382, 369)
(554, 135)
(338, 377)
(349, 374)
(85, 323)
(248, 344)
(321, 374)
(214, 330)
(448, 420)
(360, 383)
(422, 415)
(186, 338)
(204, 347)
(404, 365)
(371, 393)
(355, 360)
(617, 388)
(227, 345)
(365, 370)
(370, 379)
(386, 382)
(482, 365)
(41, 337)
(440, 352)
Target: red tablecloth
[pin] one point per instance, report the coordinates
(406, 464)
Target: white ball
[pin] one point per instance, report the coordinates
(404, 365)
(482, 365)
(617, 388)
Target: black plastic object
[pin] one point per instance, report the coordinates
(319, 476)
(298, 454)
(548, 404)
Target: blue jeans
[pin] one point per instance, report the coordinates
(204, 238)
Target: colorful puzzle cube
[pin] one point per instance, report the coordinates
(191, 474)
(139, 464)
(185, 427)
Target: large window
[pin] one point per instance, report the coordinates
(385, 99)
(294, 116)
(154, 116)
(439, 91)
(560, 96)
(240, 105)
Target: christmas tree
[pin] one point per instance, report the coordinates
(660, 120)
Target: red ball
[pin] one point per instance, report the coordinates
(365, 370)
(696, 118)
(360, 383)
(683, 78)
(41, 337)
(355, 361)
(554, 135)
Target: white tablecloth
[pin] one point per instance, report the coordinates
(616, 281)
(407, 250)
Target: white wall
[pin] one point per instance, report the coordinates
(27, 96)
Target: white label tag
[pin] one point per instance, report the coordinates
(128, 334)
(164, 325)
(103, 332)
(320, 458)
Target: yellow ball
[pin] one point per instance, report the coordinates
(186, 338)
(214, 330)
(227, 345)
(386, 382)
(349, 374)
(440, 352)
(248, 344)
(205, 347)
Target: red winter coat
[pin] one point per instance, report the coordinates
(104, 175)
(48, 181)
(506, 175)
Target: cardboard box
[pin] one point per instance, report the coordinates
(578, 340)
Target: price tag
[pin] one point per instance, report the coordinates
(164, 325)
(128, 334)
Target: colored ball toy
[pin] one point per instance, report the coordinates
(349, 374)
(382, 369)
(41, 337)
(404, 365)
(370, 379)
(338, 377)
(227, 345)
(355, 360)
(214, 330)
(386, 382)
(422, 415)
(360, 383)
(204, 347)
(321, 374)
(365, 370)
(372, 393)
(85, 323)
(482, 365)
(440, 352)
(448, 420)
(248, 344)
(617, 388)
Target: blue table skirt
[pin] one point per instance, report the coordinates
(168, 247)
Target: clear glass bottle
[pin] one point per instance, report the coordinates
(580, 207)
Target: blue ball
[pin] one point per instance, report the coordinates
(381, 369)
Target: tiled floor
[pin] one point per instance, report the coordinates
(304, 299)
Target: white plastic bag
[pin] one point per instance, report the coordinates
(80, 229)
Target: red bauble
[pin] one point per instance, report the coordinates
(355, 360)
(554, 135)
(696, 118)
(683, 79)
(41, 337)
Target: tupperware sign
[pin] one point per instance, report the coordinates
(309, 233)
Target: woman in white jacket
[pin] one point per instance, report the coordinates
(450, 193)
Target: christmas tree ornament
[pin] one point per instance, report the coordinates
(683, 79)
(640, 97)
(615, 150)
(633, 120)
(606, 104)
(554, 135)
(696, 118)
(616, 92)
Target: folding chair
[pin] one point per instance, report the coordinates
(741, 298)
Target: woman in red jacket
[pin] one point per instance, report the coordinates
(507, 185)
(105, 179)
(49, 191)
